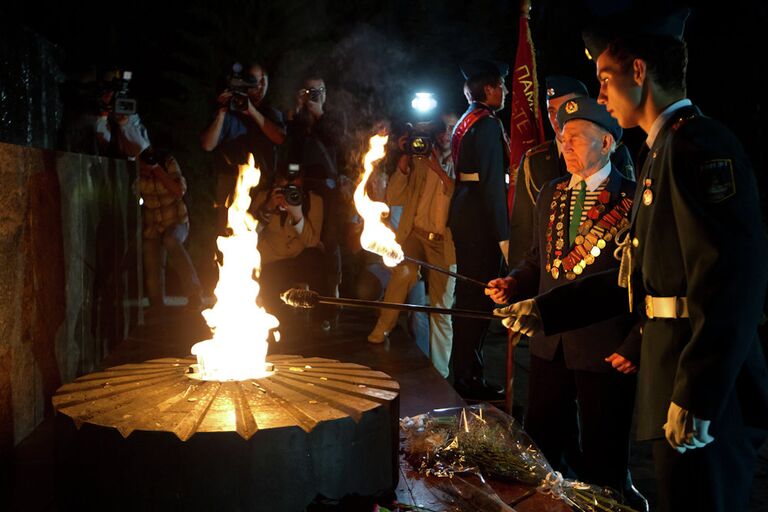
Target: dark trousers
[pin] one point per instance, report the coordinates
(581, 419)
(479, 258)
(717, 477)
(278, 276)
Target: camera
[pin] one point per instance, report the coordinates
(120, 103)
(313, 93)
(238, 86)
(294, 194)
(419, 142)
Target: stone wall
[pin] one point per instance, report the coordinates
(69, 243)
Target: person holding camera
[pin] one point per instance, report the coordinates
(315, 140)
(243, 124)
(290, 224)
(165, 226)
(423, 188)
(101, 119)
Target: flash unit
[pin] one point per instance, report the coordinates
(423, 102)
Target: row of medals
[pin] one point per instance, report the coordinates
(588, 244)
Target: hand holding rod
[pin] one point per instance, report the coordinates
(299, 298)
(446, 271)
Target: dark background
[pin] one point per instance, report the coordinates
(373, 54)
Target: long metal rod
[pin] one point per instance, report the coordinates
(359, 303)
(446, 271)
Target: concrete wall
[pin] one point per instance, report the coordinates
(68, 274)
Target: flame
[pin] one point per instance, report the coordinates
(376, 236)
(240, 328)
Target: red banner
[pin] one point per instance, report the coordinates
(525, 127)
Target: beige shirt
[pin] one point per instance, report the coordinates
(432, 209)
(279, 241)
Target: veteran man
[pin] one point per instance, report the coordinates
(544, 163)
(581, 387)
(693, 265)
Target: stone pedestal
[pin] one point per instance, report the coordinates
(147, 436)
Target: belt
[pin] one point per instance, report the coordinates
(469, 176)
(666, 307)
(437, 237)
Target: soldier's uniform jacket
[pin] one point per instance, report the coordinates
(478, 208)
(587, 347)
(696, 233)
(540, 165)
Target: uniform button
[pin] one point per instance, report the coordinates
(635, 242)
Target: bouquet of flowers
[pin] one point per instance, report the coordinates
(483, 440)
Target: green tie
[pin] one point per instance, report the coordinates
(576, 217)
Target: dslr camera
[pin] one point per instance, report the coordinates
(294, 194)
(238, 85)
(121, 103)
(313, 93)
(419, 142)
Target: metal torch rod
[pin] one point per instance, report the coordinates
(446, 271)
(359, 303)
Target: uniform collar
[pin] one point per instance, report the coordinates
(662, 119)
(593, 181)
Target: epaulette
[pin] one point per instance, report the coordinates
(683, 120)
(544, 146)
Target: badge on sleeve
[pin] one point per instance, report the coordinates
(717, 183)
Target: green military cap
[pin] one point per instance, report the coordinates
(590, 110)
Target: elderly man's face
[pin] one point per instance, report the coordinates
(586, 147)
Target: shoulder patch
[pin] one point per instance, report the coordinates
(541, 148)
(717, 182)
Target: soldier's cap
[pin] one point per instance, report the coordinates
(634, 22)
(476, 67)
(560, 85)
(588, 109)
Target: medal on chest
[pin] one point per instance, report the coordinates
(595, 232)
(647, 192)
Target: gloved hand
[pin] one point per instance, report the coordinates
(523, 317)
(684, 431)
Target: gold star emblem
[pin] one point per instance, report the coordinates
(571, 107)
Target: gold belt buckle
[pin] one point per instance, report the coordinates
(649, 306)
(432, 236)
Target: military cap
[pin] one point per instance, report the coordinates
(589, 109)
(560, 85)
(634, 22)
(476, 67)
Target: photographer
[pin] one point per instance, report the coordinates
(243, 124)
(290, 221)
(423, 188)
(100, 118)
(315, 139)
(165, 226)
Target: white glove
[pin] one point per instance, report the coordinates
(684, 431)
(523, 317)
